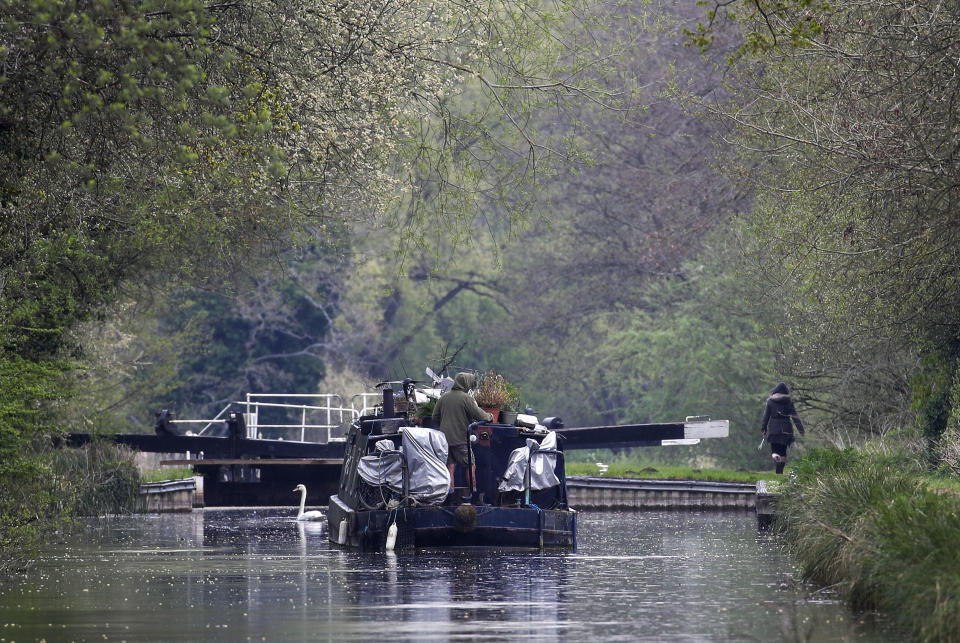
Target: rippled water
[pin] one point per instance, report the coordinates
(257, 574)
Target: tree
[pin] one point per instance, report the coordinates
(852, 125)
(174, 143)
(578, 281)
(632, 220)
(178, 138)
(269, 337)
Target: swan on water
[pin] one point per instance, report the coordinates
(306, 515)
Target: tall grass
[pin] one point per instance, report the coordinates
(872, 527)
(99, 478)
(31, 508)
(45, 487)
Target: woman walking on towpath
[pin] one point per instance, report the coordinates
(776, 426)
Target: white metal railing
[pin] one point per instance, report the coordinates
(327, 412)
(366, 403)
(320, 414)
(208, 424)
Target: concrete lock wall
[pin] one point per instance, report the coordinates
(168, 496)
(609, 493)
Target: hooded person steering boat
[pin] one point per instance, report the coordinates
(455, 411)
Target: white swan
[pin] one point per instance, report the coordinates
(306, 515)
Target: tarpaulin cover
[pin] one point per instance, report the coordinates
(384, 468)
(542, 475)
(426, 451)
(426, 454)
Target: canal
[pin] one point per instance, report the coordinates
(259, 575)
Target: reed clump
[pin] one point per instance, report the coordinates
(872, 527)
(98, 479)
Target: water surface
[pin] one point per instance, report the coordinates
(259, 575)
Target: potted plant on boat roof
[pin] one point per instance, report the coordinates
(425, 412)
(509, 411)
(492, 393)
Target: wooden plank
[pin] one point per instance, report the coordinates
(621, 435)
(707, 429)
(222, 447)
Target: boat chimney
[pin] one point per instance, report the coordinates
(388, 411)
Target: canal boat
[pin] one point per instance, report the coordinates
(394, 487)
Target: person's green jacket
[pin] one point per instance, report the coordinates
(456, 409)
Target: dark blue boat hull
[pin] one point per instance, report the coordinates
(453, 526)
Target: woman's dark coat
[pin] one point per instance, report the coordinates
(777, 414)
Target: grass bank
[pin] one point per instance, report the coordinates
(881, 532)
(660, 472)
(167, 473)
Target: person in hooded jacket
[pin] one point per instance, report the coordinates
(454, 412)
(779, 416)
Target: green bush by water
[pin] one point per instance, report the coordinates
(874, 528)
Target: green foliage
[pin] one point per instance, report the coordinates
(947, 448)
(240, 353)
(31, 502)
(853, 226)
(514, 398)
(425, 410)
(871, 526)
(193, 350)
(931, 396)
(817, 461)
(39, 492)
(164, 139)
(697, 347)
(768, 23)
(28, 391)
(31, 509)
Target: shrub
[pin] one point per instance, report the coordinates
(871, 526)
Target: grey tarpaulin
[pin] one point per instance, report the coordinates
(542, 475)
(426, 451)
(383, 468)
(426, 454)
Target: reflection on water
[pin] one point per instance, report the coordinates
(259, 574)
